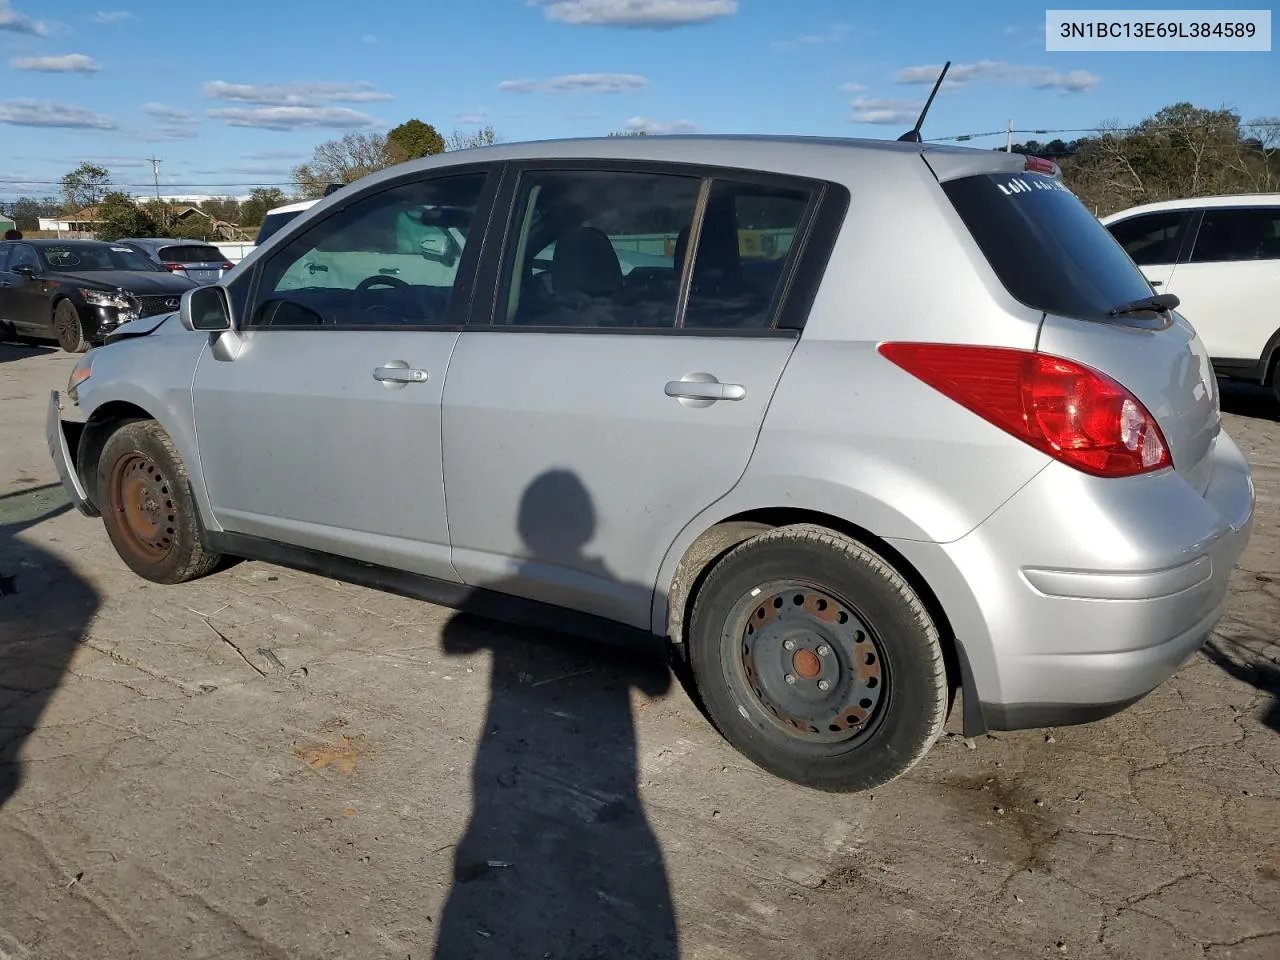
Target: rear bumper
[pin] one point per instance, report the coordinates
(1080, 596)
(62, 437)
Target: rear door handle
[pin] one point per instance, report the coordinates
(705, 390)
(399, 375)
(1157, 283)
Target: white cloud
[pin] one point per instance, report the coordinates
(66, 63)
(997, 71)
(168, 115)
(578, 83)
(852, 88)
(274, 155)
(162, 134)
(294, 117)
(645, 125)
(652, 14)
(473, 117)
(884, 110)
(118, 161)
(835, 33)
(111, 16)
(15, 22)
(52, 113)
(303, 93)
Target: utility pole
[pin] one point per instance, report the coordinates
(1008, 137)
(155, 170)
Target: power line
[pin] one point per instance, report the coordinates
(1240, 127)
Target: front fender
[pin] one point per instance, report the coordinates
(153, 374)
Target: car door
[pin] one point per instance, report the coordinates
(1154, 241)
(323, 429)
(1230, 284)
(26, 302)
(595, 407)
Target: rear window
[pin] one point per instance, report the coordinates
(1047, 249)
(191, 254)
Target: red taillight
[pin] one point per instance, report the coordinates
(1041, 165)
(174, 266)
(228, 265)
(1073, 413)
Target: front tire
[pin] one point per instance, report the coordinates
(144, 495)
(817, 661)
(68, 328)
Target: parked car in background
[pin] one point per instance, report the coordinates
(935, 434)
(277, 217)
(1221, 257)
(78, 291)
(197, 261)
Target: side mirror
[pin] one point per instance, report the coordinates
(206, 308)
(26, 271)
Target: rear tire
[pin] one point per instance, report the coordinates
(147, 507)
(68, 328)
(817, 661)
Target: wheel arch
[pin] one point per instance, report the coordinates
(674, 606)
(129, 401)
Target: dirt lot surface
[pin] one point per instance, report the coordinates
(271, 764)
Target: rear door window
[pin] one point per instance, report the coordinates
(1048, 250)
(1228, 236)
(1152, 238)
(191, 254)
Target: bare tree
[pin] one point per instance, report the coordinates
(345, 160)
(463, 140)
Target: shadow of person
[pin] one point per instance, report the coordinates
(558, 859)
(45, 608)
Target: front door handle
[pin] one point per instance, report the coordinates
(395, 374)
(1157, 283)
(703, 386)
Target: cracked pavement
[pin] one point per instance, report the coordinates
(269, 764)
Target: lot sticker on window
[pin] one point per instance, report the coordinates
(121, 250)
(1017, 185)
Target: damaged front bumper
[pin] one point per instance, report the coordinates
(63, 436)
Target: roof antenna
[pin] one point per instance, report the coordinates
(913, 135)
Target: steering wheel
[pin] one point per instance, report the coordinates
(381, 280)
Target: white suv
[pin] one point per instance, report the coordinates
(1221, 257)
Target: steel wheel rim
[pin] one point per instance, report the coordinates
(808, 662)
(142, 501)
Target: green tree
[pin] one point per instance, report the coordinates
(84, 186)
(464, 140)
(226, 209)
(414, 139)
(122, 217)
(261, 199)
(27, 211)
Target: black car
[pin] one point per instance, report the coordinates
(78, 291)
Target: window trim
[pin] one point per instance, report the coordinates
(468, 266)
(1202, 212)
(812, 246)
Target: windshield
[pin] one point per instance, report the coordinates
(84, 257)
(1047, 249)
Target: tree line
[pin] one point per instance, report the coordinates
(1180, 151)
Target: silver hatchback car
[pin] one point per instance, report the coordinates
(193, 259)
(869, 424)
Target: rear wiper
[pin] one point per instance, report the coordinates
(1156, 303)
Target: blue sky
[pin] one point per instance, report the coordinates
(235, 93)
